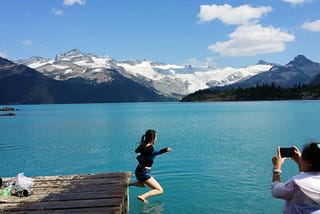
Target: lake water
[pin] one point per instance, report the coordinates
(221, 159)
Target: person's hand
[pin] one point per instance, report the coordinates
(169, 149)
(296, 155)
(277, 160)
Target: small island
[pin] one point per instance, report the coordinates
(8, 111)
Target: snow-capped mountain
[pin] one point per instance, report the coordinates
(24, 85)
(168, 79)
(298, 71)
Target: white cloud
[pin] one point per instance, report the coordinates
(57, 12)
(312, 26)
(26, 42)
(3, 54)
(233, 16)
(209, 61)
(250, 40)
(72, 2)
(295, 2)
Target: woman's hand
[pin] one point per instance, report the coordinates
(277, 160)
(169, 149)
(296, 155)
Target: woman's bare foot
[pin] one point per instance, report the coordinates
(142, 199)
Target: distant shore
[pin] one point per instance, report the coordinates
(257, 93)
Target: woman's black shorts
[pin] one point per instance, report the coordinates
(142, 174)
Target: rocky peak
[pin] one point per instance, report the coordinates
(300, 61)
(73, 55)
(32, 60)
(262, 62)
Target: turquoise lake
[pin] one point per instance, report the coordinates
(221, 158)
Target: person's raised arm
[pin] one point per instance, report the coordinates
(296, 156)
(161, 151)
(277, 161)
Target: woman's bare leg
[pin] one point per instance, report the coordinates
(156, 189)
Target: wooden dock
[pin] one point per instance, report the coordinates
(85, 193)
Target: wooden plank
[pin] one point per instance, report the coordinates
(83, 176)
(85, 182)
(99, 210)
(77, 188)
(85, 193)
(64, 197)
(56, 205)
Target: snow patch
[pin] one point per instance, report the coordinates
(143, 68)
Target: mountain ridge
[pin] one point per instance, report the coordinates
(168, 81)
(181, 79)
(20, 84)
(300, 70)
(297, 80)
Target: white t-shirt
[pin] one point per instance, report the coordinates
(301, 192)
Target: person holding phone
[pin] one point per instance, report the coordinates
(301, 192)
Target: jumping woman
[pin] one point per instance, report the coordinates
(145, 159)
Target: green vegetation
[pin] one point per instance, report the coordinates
(264, 92)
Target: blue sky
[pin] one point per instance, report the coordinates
(217, 33)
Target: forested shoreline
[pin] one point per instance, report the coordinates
(257, 93)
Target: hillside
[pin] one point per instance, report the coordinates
(20, 84)
(297, 80)
(257, 93)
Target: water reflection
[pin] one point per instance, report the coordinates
(155, 208)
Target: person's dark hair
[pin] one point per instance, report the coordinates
(311, 153)
(149, 136)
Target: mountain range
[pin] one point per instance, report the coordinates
(20, 84)
(298, 71)
(75, 77)
(168, 79)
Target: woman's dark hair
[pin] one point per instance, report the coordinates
(311, 153)
(149, 136)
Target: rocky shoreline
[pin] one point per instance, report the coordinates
(8, 111)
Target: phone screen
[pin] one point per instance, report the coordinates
(286, 152)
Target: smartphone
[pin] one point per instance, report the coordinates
(286, 152)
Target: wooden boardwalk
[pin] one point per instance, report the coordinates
(85, 193)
